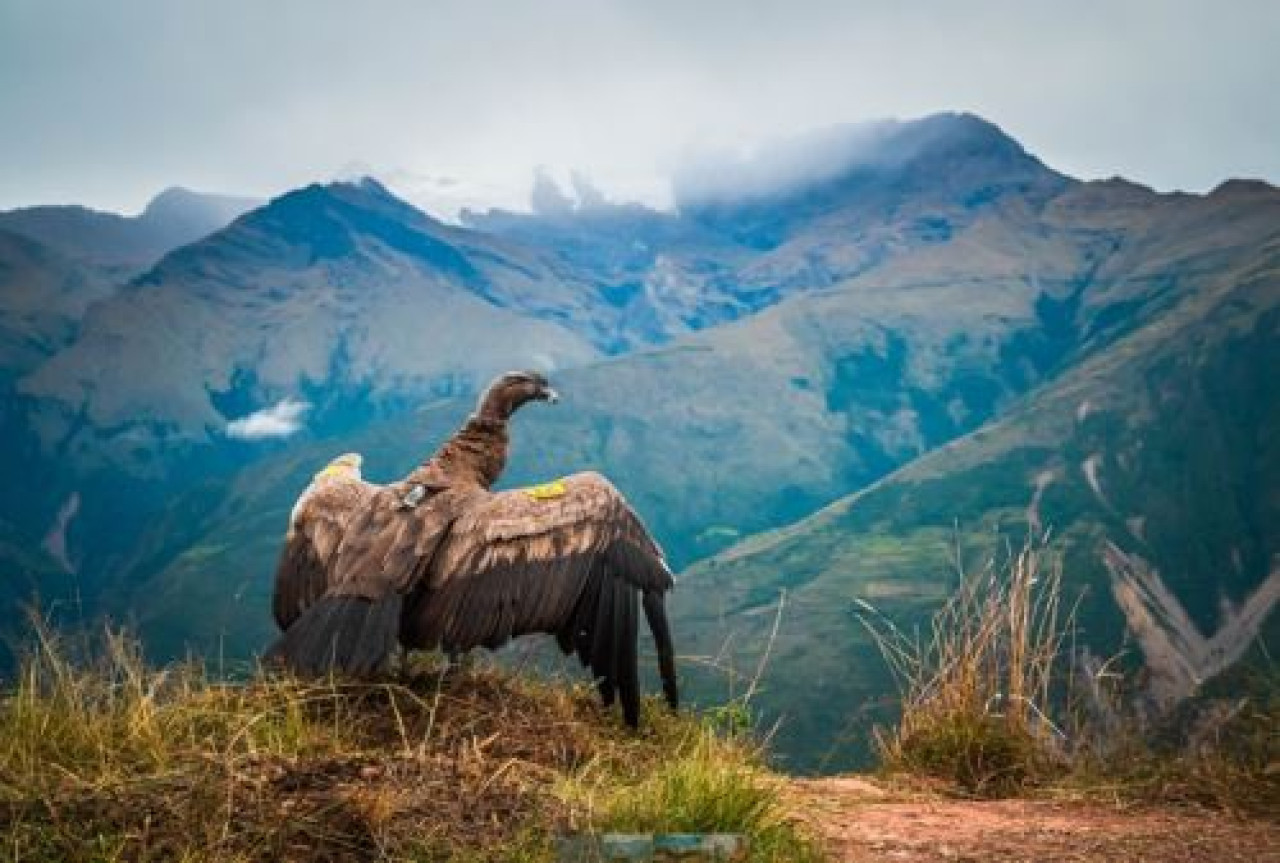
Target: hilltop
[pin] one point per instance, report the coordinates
(114, 761)
(111, 760)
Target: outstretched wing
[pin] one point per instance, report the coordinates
(316, 527)
(570, 558)
(351, 624)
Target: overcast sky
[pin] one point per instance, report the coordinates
(105, 103)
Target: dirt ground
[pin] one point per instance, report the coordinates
(861, 823)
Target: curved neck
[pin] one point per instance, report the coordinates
(476, 453)
(497, 404)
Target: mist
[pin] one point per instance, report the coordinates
(458, 103)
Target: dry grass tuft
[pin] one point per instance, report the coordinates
(976, 686)
(111, 760)
(980, 685)
(1221, 749)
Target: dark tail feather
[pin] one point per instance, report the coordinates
(603, 645)
(349, 635)
(656, 613)
(626, 671)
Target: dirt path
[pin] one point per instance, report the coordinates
(860, 823)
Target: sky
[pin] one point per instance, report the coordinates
(456, 103)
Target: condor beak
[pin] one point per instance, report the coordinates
(549, 395)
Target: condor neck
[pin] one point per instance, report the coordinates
(477, 452)
(496, 407)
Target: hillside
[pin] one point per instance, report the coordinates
(755, 423)
(934, 330)
(341, 301)
(43, 296)
(1163, 445)
(721, 434)
(55, 261)
(332, 292)
(333, 296)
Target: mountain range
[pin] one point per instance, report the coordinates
(833, 364)
(57, 260)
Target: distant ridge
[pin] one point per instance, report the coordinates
(122, 245)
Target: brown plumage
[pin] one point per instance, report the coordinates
(437, 560)
(316, 527)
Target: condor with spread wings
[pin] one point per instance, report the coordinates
(437, 560)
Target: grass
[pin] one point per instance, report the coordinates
(1221, 749)
(989, 706)
(714, 785)
(106, 759)
(976, 685)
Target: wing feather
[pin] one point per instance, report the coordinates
(316, 528)
(351, 627)
(574, 564)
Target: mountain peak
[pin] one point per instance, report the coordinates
(936, 144)
(354, 188)
(952, 132)
(864, 173)
(364, 193)
(321, 221)
(173, 196)
(1243, 188)
(180, 204)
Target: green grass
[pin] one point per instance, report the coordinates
(106, 759)
(715, 784)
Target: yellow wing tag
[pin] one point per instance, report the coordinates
(547, 491)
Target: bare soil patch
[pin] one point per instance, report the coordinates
(858, 820)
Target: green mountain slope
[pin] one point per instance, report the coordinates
(950, 332)
(1165, 444)
(753, 424)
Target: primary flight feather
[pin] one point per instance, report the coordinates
(437, 560)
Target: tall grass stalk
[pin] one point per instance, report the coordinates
(975, 684)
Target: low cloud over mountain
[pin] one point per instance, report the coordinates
(281, 420)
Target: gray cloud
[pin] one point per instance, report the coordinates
(107, 103)
(282, 419)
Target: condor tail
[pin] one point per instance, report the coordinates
(347, 635)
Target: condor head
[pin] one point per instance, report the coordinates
(510, 391)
